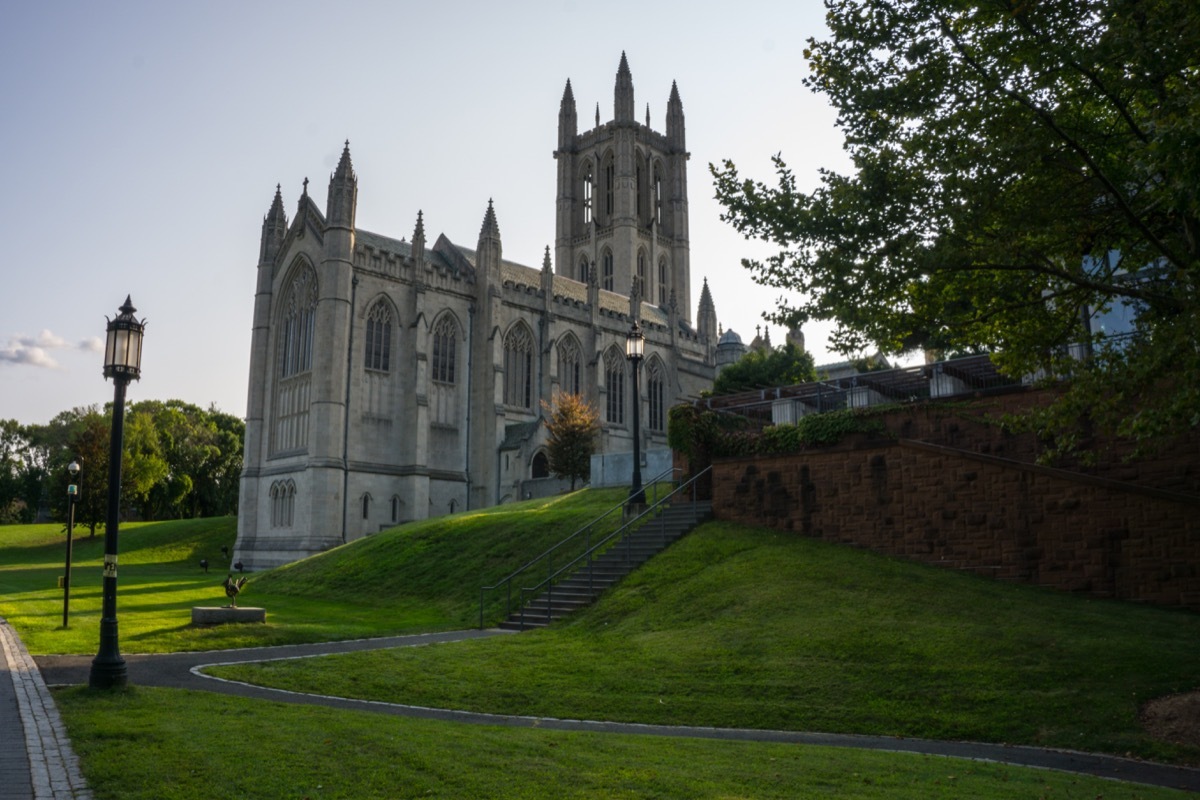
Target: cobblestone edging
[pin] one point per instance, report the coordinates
(53, 768)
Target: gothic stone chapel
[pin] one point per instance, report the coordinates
(394, 381)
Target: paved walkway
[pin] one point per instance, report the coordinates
(183, 670)
(36, 760)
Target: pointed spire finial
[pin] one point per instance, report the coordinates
(597, 113)
(490, 228)
(305, 186)
(647, 115)
(623, 93)
(546, 260)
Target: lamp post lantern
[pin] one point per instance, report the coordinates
(72, 496)
(122, 363)
(635, 348)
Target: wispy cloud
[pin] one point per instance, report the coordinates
(32, 351)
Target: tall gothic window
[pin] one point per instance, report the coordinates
(444, 371)
(607, 261)
(657, 196)
(297, 331)
(656, 391)
(299, 325)
(445, 335)
(570, 366)
(587, 195)
(379, 337)
(639, 183)
(610, 180)
(641, 273)
(664, 286)
(518, 367)
(614, 380)
(583, 269)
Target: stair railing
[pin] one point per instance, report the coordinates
(549, 557)
(614, 539)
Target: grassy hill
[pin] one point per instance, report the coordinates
(744, 627)
(416, 577)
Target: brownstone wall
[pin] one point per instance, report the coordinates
(955, 490)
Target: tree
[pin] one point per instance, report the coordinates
(782, 366)
(573, 426)
(1018, 168)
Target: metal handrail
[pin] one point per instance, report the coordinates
(655, 510)
(585, 531)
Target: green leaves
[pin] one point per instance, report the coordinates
(1016, 166)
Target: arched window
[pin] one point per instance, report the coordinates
(610, 180)
(587, 194)
(396, 502)
(664, 285)
(443, 371)
(445, 336)
(583, 269)
(298, 325)
(640, 280)
(570, 366)
(379, 337)
(657, 195)
(283, 503)
(656, 394)
(540, 466)
(366, 506)
(607, 261)
(614, 380)
(518, 367)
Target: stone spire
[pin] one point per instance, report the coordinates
(343, 193)
(547, 275)
(568, 124)
(647, 115)
(706, 317)
(274, 228)
(418, 240)
(488, 252)
(623, 93)
(597, 113)
(675, 119)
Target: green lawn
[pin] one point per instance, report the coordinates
(732, 626)
(158, 744)
(744, 627)
(378, 586)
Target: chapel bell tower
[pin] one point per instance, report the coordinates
(622, 199)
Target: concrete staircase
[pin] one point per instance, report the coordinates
(580, 588)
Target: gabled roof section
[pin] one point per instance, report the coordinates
(518, 433)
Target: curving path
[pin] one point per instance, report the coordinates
(184, 671)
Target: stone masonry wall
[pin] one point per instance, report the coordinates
(955, 490)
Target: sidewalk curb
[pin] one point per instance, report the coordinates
(53, 767)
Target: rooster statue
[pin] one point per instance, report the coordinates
(233, 586)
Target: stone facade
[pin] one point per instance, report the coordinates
(392, 381)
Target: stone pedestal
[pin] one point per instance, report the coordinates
(212, 615)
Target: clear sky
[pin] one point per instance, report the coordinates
(141, 143)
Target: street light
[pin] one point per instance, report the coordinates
(635, 347)
(122, 363)
(72, 496)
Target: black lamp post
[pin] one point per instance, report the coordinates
(72, 496)
(122, 363)
(635, 348)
